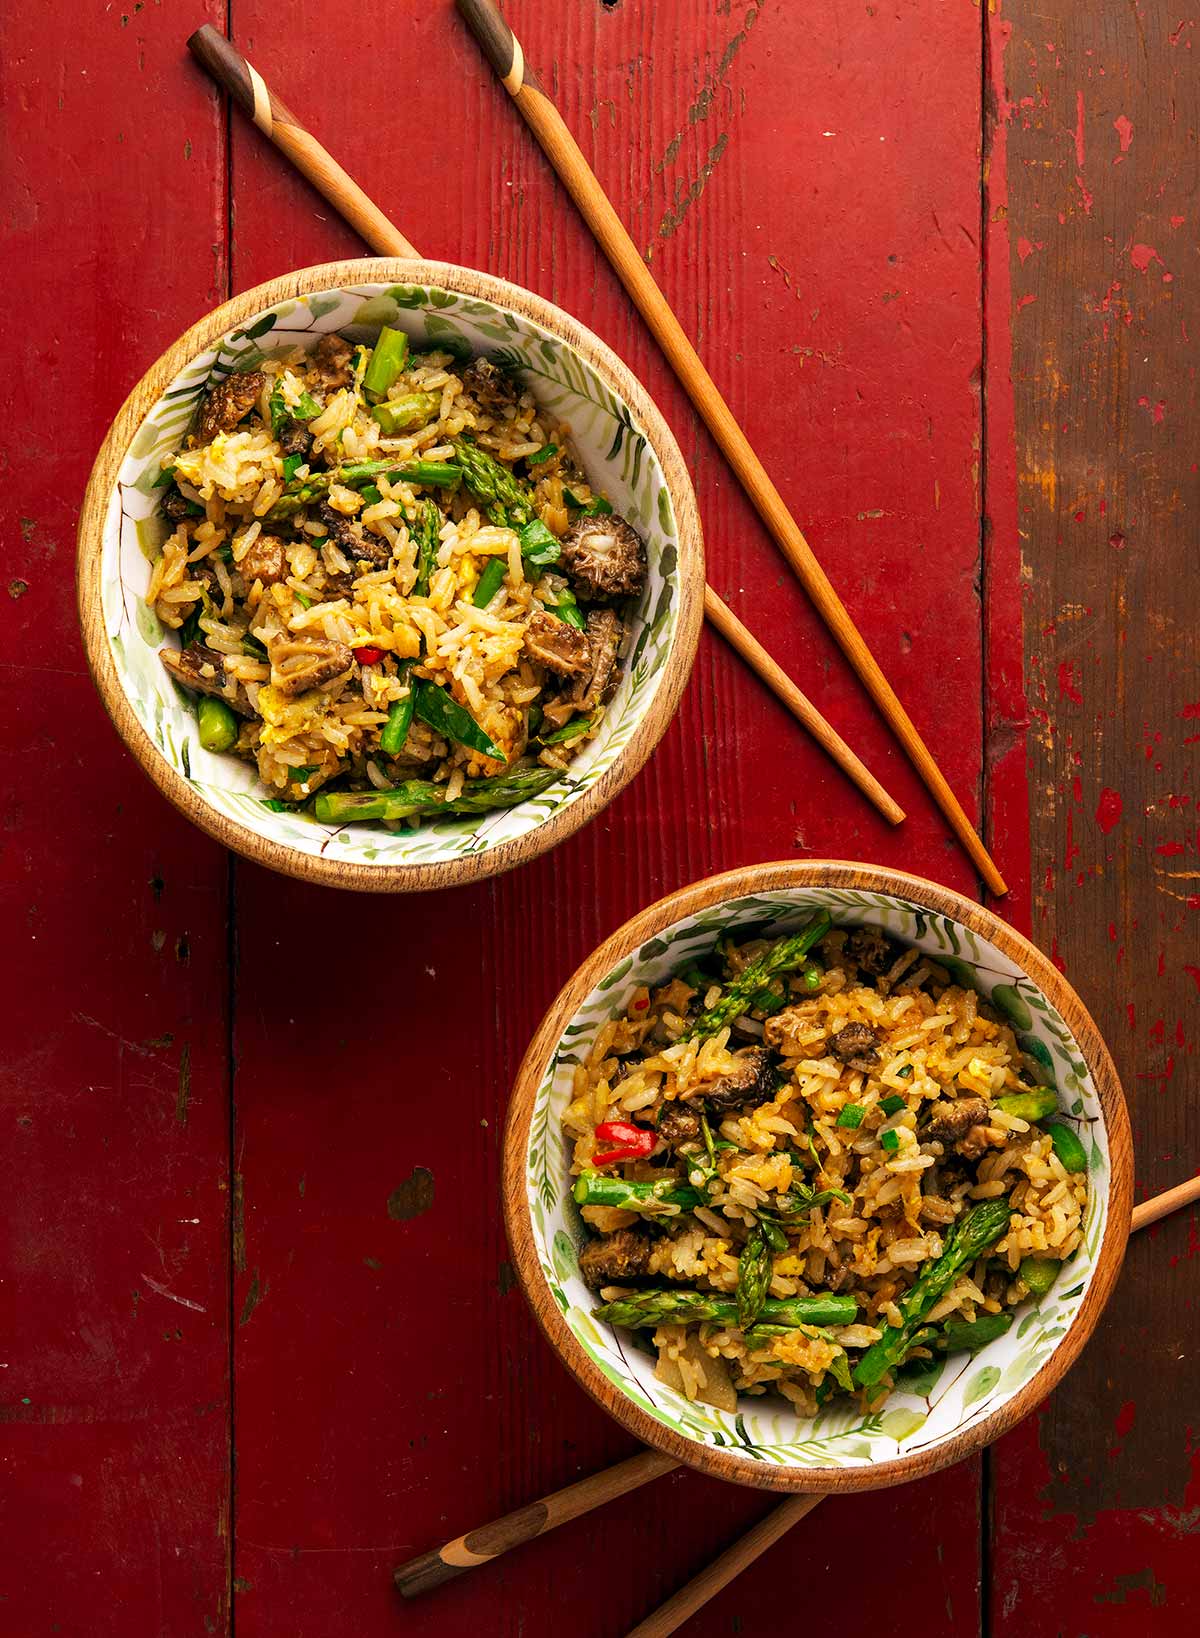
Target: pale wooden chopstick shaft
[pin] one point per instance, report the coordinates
(503, 51)
(275, 120)
(669, 1617)
(1161, 1205)
(480, 1546)
(801, 707)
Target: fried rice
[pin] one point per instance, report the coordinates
(837, 1133)
(392, 592)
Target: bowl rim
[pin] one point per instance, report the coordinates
(241, 837)
(764, 878)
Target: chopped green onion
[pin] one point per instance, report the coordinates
(164, 477)
(388, 358)
(490, 582)
(567, 609)
(851, 1116)
(905, 1072)
(307, 408)
(290, 463)
(890, 1140)
(538, 546)
(597, 507)
(543, 454)
(304, 602)
(252, 646)
(889, 1105)
(1067, 1146)
(571, 499)
(371, 495)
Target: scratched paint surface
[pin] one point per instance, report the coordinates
(1098, 1501)
(322, 1280)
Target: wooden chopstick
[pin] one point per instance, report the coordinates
(490, 1540)
(503, 51)
(422, 1574)
(275, 120)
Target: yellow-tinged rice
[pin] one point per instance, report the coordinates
(936, 1042)
(478, 655)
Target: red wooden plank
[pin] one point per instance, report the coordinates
(1096, 1502)
(390, 1386)
(113, 1089)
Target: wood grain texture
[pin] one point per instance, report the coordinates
(114, 1086)
(1097, 111)
(321, 868)
(542, 116)
(372, 1454)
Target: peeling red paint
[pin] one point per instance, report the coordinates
(1124, 130)
(1193, 973)
(1109, 809)
(1142, 255)
(1079, 129)
(1068, 682)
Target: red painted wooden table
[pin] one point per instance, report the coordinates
(942, 261)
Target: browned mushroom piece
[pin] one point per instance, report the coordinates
(228, 403)
(306, 661)
(603, 631)
(952, 1121)
(202, 670)
(331, 363)
(176, 506)
(296, 439)
(604, 556)
(556, 645)
(752, 1082)
(678, 1124)
(615, 1258)
(352, 538)
(266, 561)
(857, 1046)
(870, 949)
(489, 385)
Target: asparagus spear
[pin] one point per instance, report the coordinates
(977, 1229)
(506, 500)
(420, 796)
(430, 474)
(782, 957)
(405, 414)
(971, 1335)
(218, 725)
(754, 1277)
(1035, 1105)
(388, 357)
(400, 714)
(669, 1305)
(594, 1189)
(425, 533)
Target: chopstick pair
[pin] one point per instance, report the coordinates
(272, 116)
(480, 1546)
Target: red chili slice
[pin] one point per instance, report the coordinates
(633, 1142)
(368, 655)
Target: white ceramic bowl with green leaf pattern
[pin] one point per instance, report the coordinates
(963, 1402)
(626, 449)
